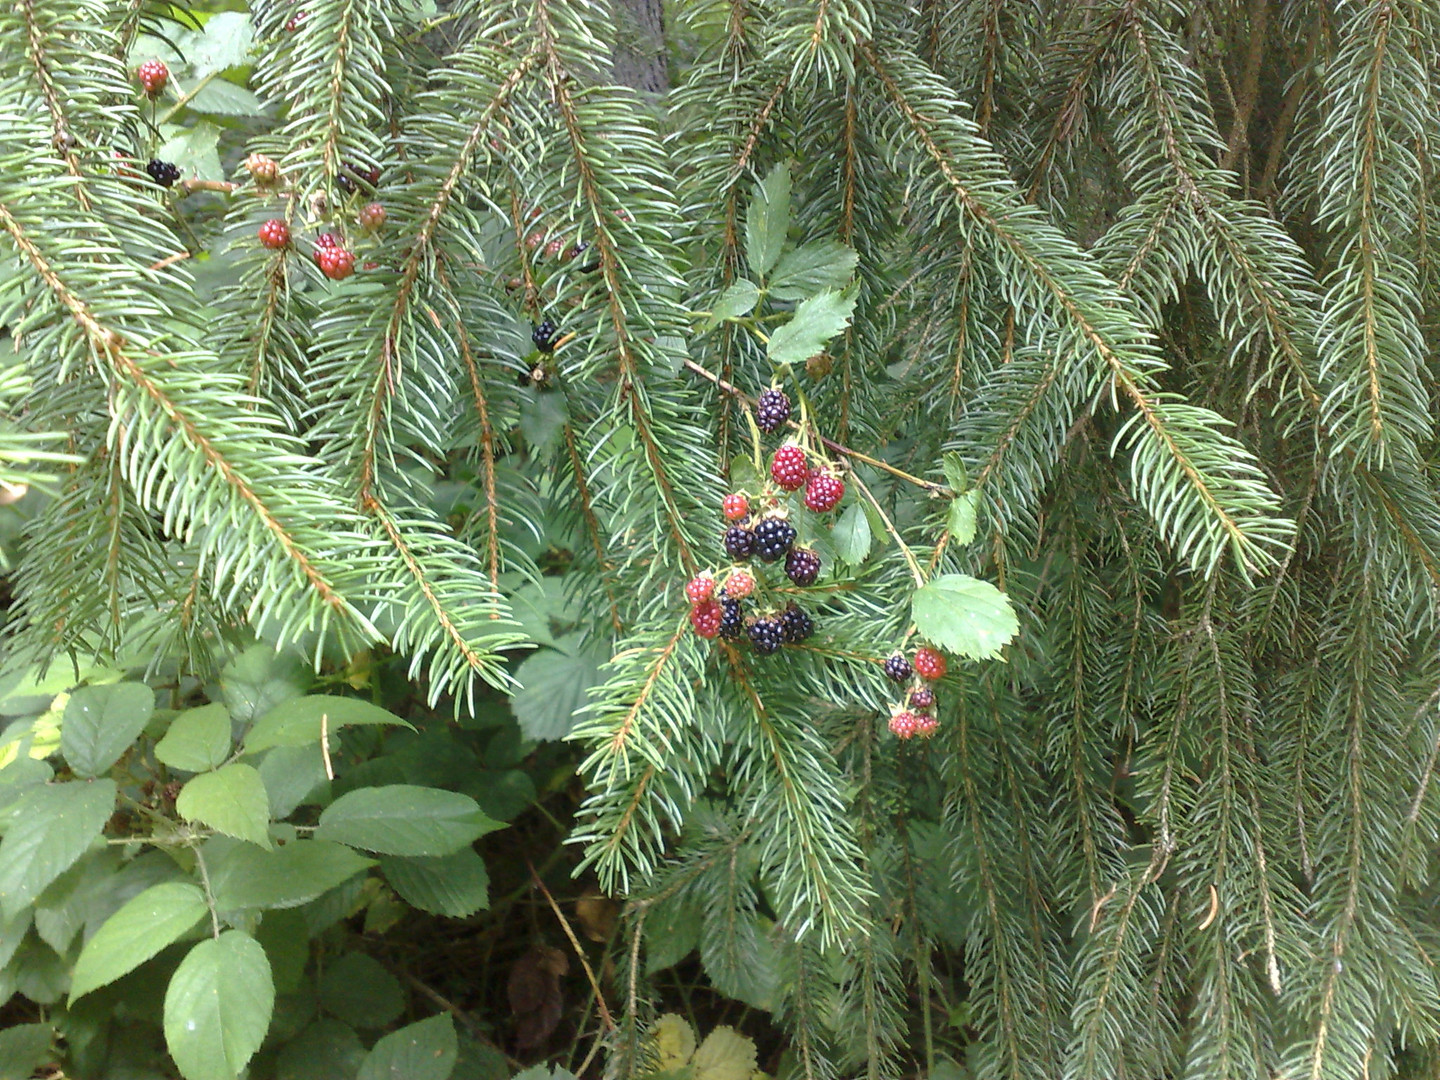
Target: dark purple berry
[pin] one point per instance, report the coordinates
(795, 625)
(772, 408)
(164, 173)
(773, 537)
(739, 542)
(898, 669)
(351, 172)
(766, 634)
(922, 698)
(732, 622)
(544, 336)
(802, 566)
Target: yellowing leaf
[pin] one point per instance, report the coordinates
(725, 1055)
(674, 1041)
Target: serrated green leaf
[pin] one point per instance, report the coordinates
(739, 299)
(198, 739)
(457, 885)
(813, 268)
(961, 520)
(956, 475)
(851, 535)
(768, 220)
(326, 1050)
(223, 42)
(815, 322)
(357, 989)
(230, 800)
(401, 819)
(553, 684)
(218, 1007)
(423, 1051)
(157, 917)
(52, 826)
(297, 722)
(964, 615)
(195, 151)
(291, 775)
(244, 876)
(101, 722)
(223, 98)
(23, 1049)
(259, 679)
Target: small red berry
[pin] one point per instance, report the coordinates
(554, 247)
(534, 240)
(736, 506)
(705, 618)
(372, 217)
(275, 233)
(700, 589)
(293, 23)
(336, 263)
(823, 491)
(929, 663)
(153, 75)
(740, 583)
(904, 723)
(925, 725)
(788, 468)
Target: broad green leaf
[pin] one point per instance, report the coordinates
(456, 884)
(543, 417)
(767, 220)
(961, 521)
(51, 828)
(223, 42)
(739, 299)
(356, 988)
(198, 739)
(851, 535)
(814, 323)
(100, 724)
(23, 1049)
(12, 933)
(553, 684)
(672, 930)
(244, 876)
(812, 268)
(194, 150)
(67, 902)
(258, 680)
(39, 973)
(964, 615)
(291, 774)
(956, 475)
(230, 800)
(326, 1050)
(401, 819)
(423, 1051)
(218, 1006)
(223, 98)
(546, 1072)
(158, 916)
(297, 722)
(286, 939)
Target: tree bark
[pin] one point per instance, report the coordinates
(640, 59)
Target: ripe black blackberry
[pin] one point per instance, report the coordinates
(773, 537)
(898, 669)
(772, 408)
(766, 634)
(795, 625)
(164, 173)
(732, 623)
(545, 335)
(739, 542)
(350, 172)
(802, 566)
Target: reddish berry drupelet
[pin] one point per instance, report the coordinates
(700, 589)
(823, 491)
(736, 506)
(740, 583)
(335, 262)
(275, 234)
(904, 723)
(929, 663)
(925, 725)
(788, 468)
(153, 75)
(705, 618)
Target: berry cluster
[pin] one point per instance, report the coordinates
(153, 75)
(912, 716)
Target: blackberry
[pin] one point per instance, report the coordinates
(732, 621)
(164, 173)
(766, 634)
(925, 725)
(372, 217)
(795, 625)
(706, 618)
(545, 336)
(788, 468)
(700, 588)
(772, 408)
(739, 542)
(153, 75)
(740, 583)
(823, 492)
(904, 723)
(922, 698)
(773, 537)
(929, 663)
(262, 169)
(275, 234)
(802, 566)
(736, 506)
(898, 669)
(351, 172)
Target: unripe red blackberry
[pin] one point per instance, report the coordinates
(772, 408)
(705, 618)
(739, 542)
(802, 566)
(336, 263)
(766, 634)
(153, 75)
(740, 583)
(700, 588)
(372, 217)
(262, 169)
(773, 537)
(275, 234)
(788, 468)
(795, 625)
(736, 506)
(326, 240)
(897, 668)
(925, 725)
(534, 240)
(929, 663)
(903, 724)
(922, 697)
(293, 23)
(823, 491)
(554, 246)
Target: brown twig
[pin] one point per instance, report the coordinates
(605, 1016)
